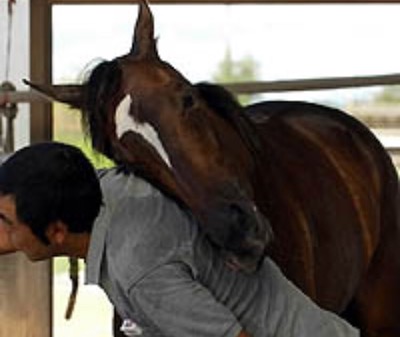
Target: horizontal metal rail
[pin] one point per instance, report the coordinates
(313, 84)
(393, 150)
(21, 97)
(251, 87)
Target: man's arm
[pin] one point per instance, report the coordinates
(179, 305)
(6, 245)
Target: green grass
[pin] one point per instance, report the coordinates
(68, 129)
(61, 265)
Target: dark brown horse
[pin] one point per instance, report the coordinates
(313, 174)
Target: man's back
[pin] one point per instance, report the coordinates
(162, 273)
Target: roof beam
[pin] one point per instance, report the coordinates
(210, 2)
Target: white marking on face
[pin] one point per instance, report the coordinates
(124, 123)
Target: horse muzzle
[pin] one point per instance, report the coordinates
(240, 230)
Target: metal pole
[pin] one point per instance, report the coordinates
(313, 84)
(249, 87)
(22, 97)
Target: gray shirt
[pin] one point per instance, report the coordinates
(161, 273)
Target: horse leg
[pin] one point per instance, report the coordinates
(376, 307)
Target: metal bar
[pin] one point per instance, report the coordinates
(249, 87)
(312, 84)
(22, 97)
(393, 151)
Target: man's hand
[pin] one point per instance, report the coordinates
(243, 334)
(6, 245)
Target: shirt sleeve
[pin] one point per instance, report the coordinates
(180, 306)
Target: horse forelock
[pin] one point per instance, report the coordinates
(101, 87)
(223, 103)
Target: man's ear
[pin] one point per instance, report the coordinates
(57, 232)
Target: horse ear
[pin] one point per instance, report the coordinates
(144, 44)
(70, 94)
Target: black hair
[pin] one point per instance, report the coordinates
(222, 102)
(50, 182)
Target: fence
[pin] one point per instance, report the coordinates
(10, 97)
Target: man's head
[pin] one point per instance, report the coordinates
(44, 186)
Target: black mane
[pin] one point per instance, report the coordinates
(222, 102)
(101, 86)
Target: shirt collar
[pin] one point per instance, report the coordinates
(97, 247)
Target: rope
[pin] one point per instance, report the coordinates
(11, 3)
(73, 274)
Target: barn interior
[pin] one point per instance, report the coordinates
(251, 47)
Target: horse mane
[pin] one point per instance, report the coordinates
(222, 102)
(101, 85)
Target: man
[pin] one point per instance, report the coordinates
(161, 274)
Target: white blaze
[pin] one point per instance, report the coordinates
(124, 123)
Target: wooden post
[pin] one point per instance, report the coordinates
(25, 287)
(24, 293)
(40, 61)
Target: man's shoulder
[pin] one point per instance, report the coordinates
(145, 233)
(145, 228)
(117, 184)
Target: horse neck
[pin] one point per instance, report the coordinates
(248, 133)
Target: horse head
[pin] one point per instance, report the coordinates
(143, 113)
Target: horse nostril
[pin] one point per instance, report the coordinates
(250, 227)
(240, 229)
(237, 214)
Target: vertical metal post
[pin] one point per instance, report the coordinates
(25, 287)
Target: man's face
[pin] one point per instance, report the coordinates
(20, 236)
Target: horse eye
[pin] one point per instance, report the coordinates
(188, 101)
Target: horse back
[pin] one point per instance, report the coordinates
(327, 180)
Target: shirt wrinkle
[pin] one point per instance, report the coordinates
(144, 249)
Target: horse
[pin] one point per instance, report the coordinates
(308, 185)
